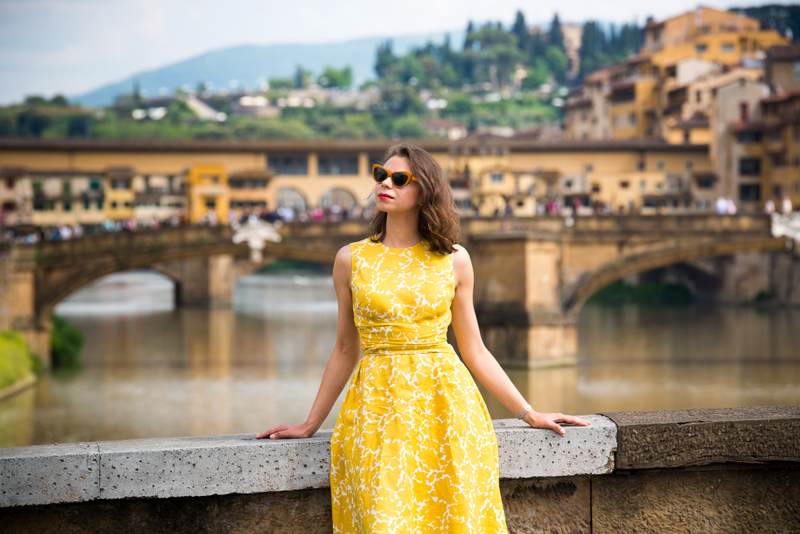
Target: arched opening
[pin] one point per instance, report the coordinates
(140, 290)
(339, 197)
(291, 197)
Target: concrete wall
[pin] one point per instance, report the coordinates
(706, 470)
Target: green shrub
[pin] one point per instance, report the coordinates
(66, 344)
(16, 360)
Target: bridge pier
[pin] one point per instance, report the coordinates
(517, 300)
(202, 281)
(18, 303)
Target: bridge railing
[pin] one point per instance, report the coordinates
(692, 223)
(139, 239)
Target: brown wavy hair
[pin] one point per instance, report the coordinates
(438, 220)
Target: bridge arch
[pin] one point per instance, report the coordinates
(590, 282)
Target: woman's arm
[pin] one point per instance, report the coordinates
(481, 362)
(341, 362)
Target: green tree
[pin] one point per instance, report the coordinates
(520, 30)
(558, 62)
(536, 75)
(409, 126)
(384, 58)
(469, 37)
(555, 35)
(302, 77)
(59, 100)
(336, 78)
(281, 83)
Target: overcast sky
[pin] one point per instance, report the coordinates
(70, 46)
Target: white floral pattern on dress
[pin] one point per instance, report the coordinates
(413, 449)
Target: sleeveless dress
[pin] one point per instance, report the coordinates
(413, 449)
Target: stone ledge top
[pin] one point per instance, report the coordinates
(240, 463)
(682, 438)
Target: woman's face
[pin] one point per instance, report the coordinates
(397, 198)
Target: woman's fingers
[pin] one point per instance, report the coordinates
(272, 430)
(562, 418)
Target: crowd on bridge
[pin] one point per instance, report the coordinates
(28, 233)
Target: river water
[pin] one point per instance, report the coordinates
(152, 370)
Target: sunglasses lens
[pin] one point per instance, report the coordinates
(379, 173)
(400, 178)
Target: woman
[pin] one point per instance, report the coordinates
(413, 448)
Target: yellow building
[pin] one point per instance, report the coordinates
(209, 194)
(487, 176)
(683, 56)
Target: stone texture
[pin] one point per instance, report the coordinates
(527, 452)
(733, 499)
(284, 512)
(67, 472)
(679, 438)
(557, 504)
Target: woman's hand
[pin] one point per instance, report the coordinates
(551, 420)
(300, 430)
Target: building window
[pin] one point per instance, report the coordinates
(748, 136)
(497, 177)
(589, 168)
(749, 192)
(568, 184)
(330, 164)
(211, 203)
(641, 185)
(749, 166)
(797, 70)
(248, 184)
(95, 185)
(288, 163)
(778, 159)
(728, 47)
(119, 184)
(700, 48)
(640, 165)
(9, 183)
(705, 182)
(689, 164)
(624, 184)
(660, 165)
(743, 111)
(595, 187)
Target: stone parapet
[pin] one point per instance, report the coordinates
(709, 470)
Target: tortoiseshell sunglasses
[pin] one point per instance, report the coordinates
(399, 178)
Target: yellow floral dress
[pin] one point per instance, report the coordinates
(413, 449)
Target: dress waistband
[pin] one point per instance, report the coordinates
(406, 347)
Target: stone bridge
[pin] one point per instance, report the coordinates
(532, 275)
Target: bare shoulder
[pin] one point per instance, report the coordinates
(342, 262)
(462, 265)
(460, 257)
(344, 253)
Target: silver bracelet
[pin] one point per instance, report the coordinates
(524, 411)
